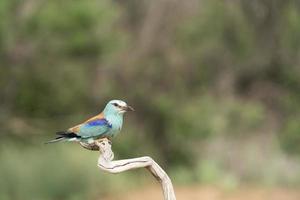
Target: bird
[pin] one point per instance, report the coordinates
(107, 124)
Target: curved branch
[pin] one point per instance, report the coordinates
(106, 163)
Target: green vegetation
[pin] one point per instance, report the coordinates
(216, 87)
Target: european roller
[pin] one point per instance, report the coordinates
(107, 124)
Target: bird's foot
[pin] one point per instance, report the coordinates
(103, 139)
(88, 146)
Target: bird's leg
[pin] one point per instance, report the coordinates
(92, 147)
(106, 163)
(93, 144)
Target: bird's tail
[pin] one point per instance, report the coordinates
(64, 136)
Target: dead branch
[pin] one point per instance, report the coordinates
(106, 163)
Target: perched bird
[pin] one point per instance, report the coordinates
(107, 124)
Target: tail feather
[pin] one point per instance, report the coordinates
(58, 139)
(67, 134)
(64, 136)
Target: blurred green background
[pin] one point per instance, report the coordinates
(215, 85)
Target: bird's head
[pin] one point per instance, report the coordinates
(117, 107)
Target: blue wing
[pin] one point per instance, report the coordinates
(95, 128)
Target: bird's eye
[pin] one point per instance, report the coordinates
(115, 104)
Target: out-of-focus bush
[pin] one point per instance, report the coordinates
(215, 85)
(51, 172)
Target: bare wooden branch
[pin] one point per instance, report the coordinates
(106, 163)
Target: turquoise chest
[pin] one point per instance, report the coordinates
(116, 124)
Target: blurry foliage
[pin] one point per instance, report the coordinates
(212, 81)
(290, 137)
(67, 173)
(215, 117)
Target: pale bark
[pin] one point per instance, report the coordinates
(106, 163)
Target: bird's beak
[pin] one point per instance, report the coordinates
(128, 108)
